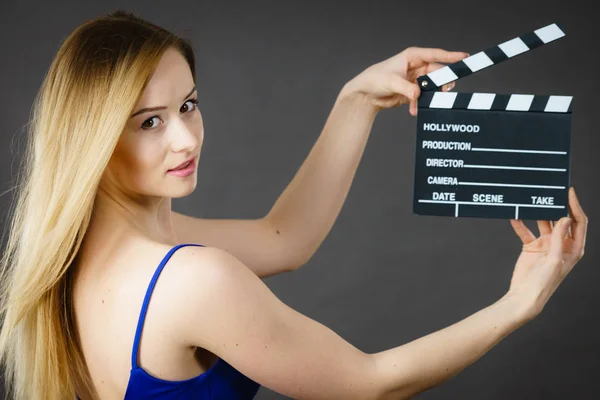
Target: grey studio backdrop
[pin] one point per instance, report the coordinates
(268, 74)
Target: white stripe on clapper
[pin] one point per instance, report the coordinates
(549, 33)
(513, 47)
(442, 76)
(558, 104)
(481, 101)
(519, 102)
(443, 99)
(478, 61)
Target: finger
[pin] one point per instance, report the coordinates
(522, 231)
(580, 222)
(433, 66)
(554, 223)
(418, 56)
(556, 241)
(449, 86)
(406, 88)
(545, 227)
(413, 108)
(568, 233)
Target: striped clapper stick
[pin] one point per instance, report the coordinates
(488, 155)
(492, 56)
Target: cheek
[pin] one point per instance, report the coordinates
(136, 158)
(144, 154)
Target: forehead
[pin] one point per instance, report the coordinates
(171, 79)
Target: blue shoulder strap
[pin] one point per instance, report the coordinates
(140, 325)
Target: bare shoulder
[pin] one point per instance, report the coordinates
(200, 289)
(197, 275)
(193, 275)
(199, 263)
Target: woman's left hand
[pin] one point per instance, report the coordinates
(391, 83)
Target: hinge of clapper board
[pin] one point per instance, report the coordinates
(433, 98)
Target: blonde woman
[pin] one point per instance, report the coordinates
(109, 294)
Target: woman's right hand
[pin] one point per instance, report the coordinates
(545, 261)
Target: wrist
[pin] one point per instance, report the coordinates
(523, 306)
(352, 94)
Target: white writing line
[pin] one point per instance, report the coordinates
(489, 204)
(510, 185)
(518, 168)
(517, 150)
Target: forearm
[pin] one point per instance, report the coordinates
(306, 210)
(412, 368)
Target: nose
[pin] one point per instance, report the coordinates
(186, 137)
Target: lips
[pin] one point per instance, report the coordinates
(182, 165)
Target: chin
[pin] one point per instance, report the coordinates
(183, 190)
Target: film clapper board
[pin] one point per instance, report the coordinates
(488, 155)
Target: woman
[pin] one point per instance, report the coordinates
(93, 231)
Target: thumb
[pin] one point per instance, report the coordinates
(556, 241)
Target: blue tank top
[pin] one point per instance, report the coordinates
(220, 382)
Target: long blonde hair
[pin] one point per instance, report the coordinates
(79, 113)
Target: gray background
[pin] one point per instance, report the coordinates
(268, 74)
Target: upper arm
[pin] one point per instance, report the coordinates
(255, 242)
(229, 311)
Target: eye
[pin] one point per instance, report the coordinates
(194, 102)
(146, 127)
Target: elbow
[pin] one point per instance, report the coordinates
(375, 387)
(302, 258)
(294, 260)
(397, 394)
(291, 263)
(401, 393)
(296, 264)
(390, 385)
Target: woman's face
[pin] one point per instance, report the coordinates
(155, 141)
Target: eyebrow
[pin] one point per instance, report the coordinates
(143, 110)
